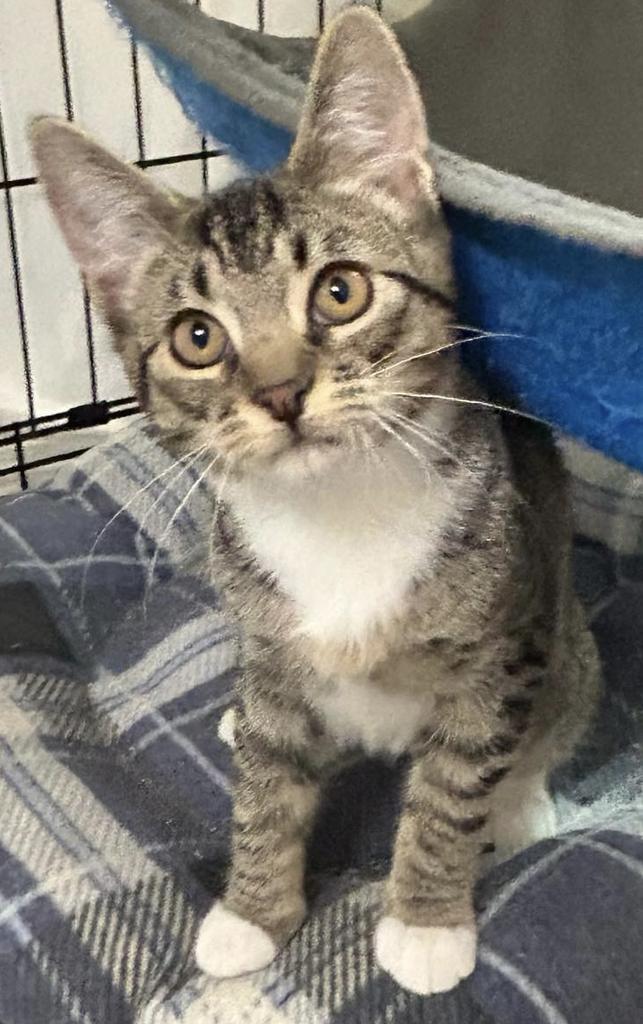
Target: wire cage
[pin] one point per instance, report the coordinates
(70, 429)
(76, 37)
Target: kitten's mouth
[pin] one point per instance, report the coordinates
(300, 441)
(306, 447)
(304, 453)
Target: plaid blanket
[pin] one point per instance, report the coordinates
(116, 663)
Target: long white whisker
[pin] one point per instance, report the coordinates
(442, 348)
(480, 336)
(123, 508)
(184, 469)
(468, 327)
(213, 525)
(389, 430)
(403, 362)
(463, 327)
(477, 331)
(476, 402)
(389, 355)
(150, 574)
(406, 423)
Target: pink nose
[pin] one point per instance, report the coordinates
(284, 401)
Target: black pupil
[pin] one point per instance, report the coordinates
(339, 289)
(200, 334)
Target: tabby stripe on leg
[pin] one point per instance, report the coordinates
(535, 684)
(473, 753)
(464, 825)
(428, 810)
(493, 777)
(475, 792)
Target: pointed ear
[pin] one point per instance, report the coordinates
(364, 122)
(112, 216)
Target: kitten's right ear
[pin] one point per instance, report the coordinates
(110, 213)
(363, 126)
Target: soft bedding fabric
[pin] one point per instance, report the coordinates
(115, 790)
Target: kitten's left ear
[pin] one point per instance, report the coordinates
(113, 217)
(364, 122)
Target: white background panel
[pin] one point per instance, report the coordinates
(221, 171)
(111, 381)
(99, 55)
(13, 402)
(54, 303)
(30, 78)
(166, 129)
(333, 7)
(292, 17)
(7, 461)
(241, 12)
(185, 177)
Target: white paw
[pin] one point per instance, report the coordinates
(225, 732)
(227, 945)
(425, 960)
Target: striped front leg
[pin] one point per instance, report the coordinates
(427, 938)
(275, 801)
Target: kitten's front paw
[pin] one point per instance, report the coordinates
(225, 732)
(425, 960)
(227, 945)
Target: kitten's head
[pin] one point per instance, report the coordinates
(261, 322)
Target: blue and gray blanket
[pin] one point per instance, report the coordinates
(116, 663)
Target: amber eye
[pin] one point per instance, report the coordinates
(197, 340)
(341, 294)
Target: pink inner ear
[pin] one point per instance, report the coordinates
(364, 121)
(406, 182)
(377, 134)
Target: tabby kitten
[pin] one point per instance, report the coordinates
(399, 560)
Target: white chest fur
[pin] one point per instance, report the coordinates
(344, 546)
